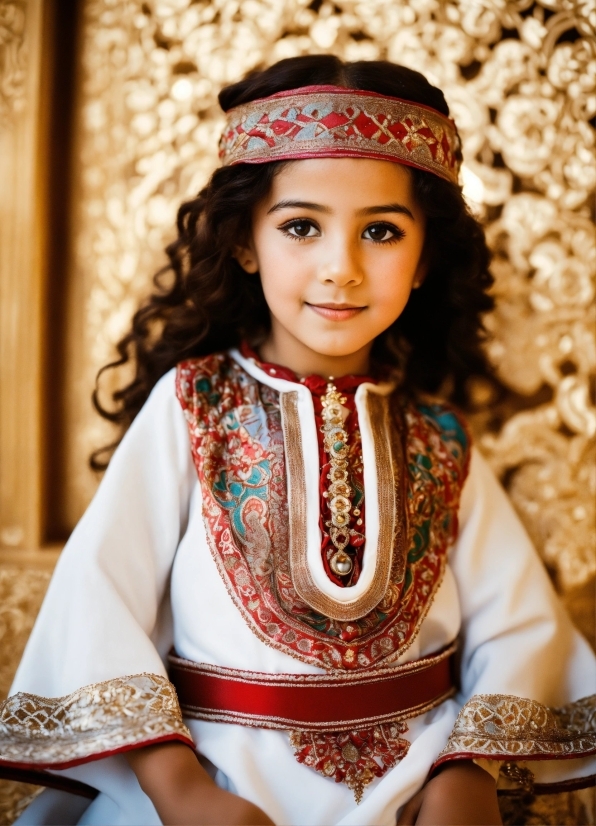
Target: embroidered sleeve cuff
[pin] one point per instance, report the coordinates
(93, 722)
(506, 730)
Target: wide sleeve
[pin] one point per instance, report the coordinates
(92, 681)
(526, 673)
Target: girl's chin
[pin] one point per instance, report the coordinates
(337, 350)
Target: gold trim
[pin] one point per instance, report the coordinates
(102, 717)
(504, 726)
(391, 493)
(389, 463)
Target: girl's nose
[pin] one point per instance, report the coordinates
(341, 265)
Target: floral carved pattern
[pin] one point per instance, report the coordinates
(13, 58)
(21, 594)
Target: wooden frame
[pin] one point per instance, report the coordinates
(36, 96)
(22, 282)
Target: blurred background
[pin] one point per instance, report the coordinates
(109, 119)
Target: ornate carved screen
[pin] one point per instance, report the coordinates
(520, 79)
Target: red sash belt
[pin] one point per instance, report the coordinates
(328, 702)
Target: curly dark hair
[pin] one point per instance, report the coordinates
(204, 302)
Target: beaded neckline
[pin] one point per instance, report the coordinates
(316, 384)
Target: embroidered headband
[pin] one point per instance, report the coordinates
(333, 122)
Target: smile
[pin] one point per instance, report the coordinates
(335, 312)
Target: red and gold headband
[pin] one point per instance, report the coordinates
(333, 122)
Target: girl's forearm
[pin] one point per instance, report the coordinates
(462, 793)
(167, 773)
(182, 791)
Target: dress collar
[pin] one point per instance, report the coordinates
(315, 383)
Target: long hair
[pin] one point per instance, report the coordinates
(204, 302)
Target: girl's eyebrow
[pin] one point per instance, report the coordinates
(298, 205)
(384, 208)
(372, 210)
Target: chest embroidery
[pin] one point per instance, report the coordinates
(352, 757)
(237, 433)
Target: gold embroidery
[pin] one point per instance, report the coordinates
(102, 717)
(390, 463)
(390, 503)
(495, 725)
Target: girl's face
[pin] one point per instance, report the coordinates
(338, 245)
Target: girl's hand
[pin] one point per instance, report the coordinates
(183, 793)
(461, 794)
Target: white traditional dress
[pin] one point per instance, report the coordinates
(205, 537)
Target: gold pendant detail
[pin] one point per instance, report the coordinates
(339, 493)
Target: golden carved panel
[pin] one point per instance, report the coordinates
(520, 78)
(22, 590)
(13, 59)
(23, 247)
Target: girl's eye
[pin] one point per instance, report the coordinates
(299, 229)
(383, 233)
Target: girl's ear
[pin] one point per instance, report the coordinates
(246, 256)
(421, 272)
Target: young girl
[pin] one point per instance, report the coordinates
(355, 624)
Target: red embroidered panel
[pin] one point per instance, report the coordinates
(237, 444)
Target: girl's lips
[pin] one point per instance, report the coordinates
(335, 312)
